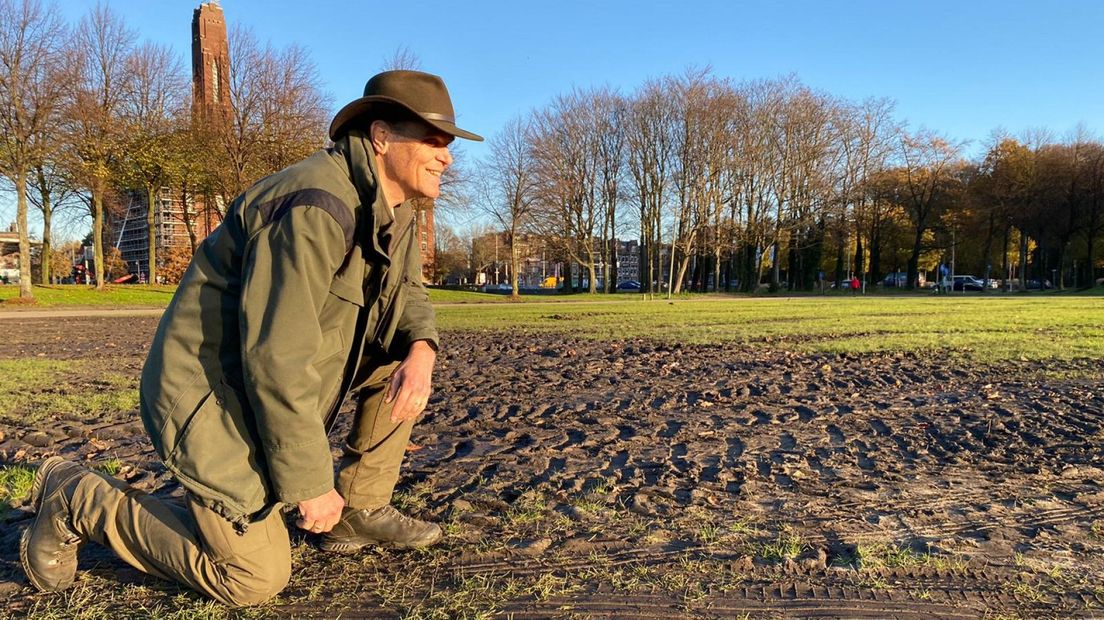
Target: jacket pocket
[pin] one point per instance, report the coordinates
(345, 288)
(332, 344)
(216, 455)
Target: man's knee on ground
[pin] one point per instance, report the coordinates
(244, 589)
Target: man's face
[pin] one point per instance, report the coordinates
(416, 157)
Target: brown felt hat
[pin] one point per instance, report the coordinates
(422, 94)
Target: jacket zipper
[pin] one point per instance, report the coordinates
(331, 416)
(398, 291)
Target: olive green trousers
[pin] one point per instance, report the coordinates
(192, 545)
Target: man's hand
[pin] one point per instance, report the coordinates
(321, 513)
(412, 382)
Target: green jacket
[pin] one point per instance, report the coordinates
(255, 352)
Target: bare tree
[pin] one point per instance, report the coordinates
(611, 111)
(865, 134)
(509, 187)
(702, 173)
(51, 191)
(807, 156)
(757, 165)
(278, 114)
(929, 162)
(402, 58)
(650, 139)
(563, 147)
(32, 88)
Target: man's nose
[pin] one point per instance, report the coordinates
(445, 156)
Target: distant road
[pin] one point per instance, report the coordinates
(63, 313)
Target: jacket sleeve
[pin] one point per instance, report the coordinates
(287, 271)
(418, 320)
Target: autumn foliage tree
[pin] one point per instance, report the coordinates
(94, 132)
(151, 114)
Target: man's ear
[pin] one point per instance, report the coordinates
(379, 133)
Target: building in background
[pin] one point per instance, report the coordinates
(541, 261)
(180, 224)
(9, 255)
(210, 61)
(423, 213)
(172, 220)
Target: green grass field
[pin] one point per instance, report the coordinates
(985, 328)
(135, 295)
(981, 328)
(121, 295)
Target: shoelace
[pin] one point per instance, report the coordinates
(400, 516)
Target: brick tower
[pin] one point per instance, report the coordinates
(210, 60)
(423, 211)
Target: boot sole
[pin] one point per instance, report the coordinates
(353, 547)
(25, 538)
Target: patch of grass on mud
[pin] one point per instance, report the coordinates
(888, 555)
(980, 328)
(15, 487)
(34, 389)
(786, 546)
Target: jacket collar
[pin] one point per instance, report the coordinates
(358, 155)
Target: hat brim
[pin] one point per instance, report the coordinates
(364, 105)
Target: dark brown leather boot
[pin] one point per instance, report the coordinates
(385, 527)
(48, 548)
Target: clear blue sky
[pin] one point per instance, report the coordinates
(962, 67)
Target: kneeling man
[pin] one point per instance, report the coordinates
(311, 288)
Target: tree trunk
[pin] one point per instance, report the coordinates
(47, 219)
(25, 290)
(776, 263)
(612, 267)
(514, 264)
(875, 246)
(839, 265)
(750, 269)
(151, 234)
(1004, 258)
(97, 235)
(671, 271)
(1063, 251)
(1090, 250)
(684, 264)
(1023, 260)
(914, 260)
(717, 267)
(990, 233)
(858, 255)
(875, 258)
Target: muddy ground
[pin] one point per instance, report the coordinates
(636, 479)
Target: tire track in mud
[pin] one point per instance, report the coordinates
(845, 450)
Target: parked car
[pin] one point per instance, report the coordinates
(968, 283)
(899, 279)
(628, 285)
